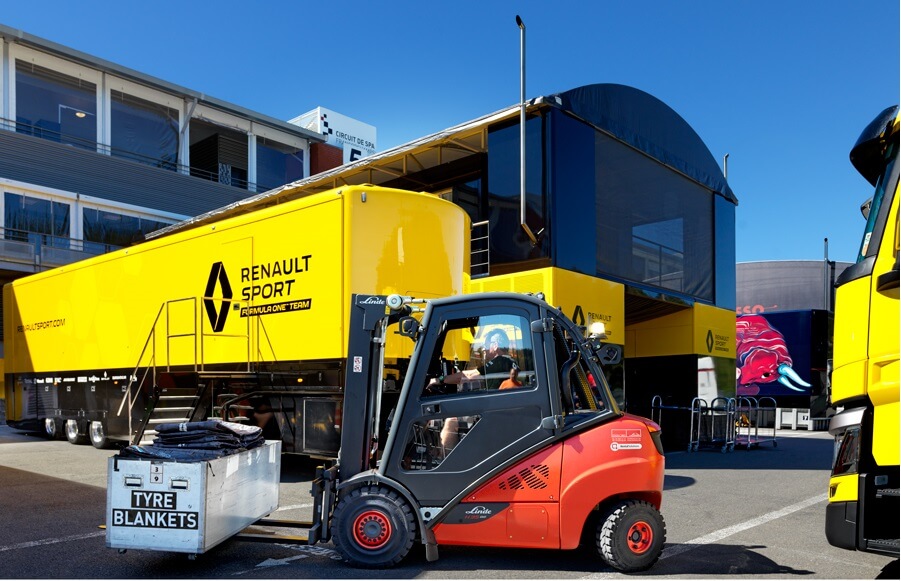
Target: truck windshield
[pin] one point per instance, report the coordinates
(885, 189)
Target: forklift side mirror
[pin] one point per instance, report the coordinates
(552, 423)
(542, 326)
(609, 354)
(408, 327)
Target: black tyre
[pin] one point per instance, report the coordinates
(631, 535)
(373, 527)
(97, 434)
(74, 433)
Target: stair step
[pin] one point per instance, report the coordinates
(172, 409)
(165, 421)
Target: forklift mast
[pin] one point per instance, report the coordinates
(363, 380)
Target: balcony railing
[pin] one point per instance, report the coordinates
(44, 251)
(226, 178)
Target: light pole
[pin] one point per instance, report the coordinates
(522, 131)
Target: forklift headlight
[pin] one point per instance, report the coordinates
(598, 330)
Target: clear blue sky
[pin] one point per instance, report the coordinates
(783, 87)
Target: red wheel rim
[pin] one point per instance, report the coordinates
(372, 529)
(640, 537)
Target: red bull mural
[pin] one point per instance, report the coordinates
(763, 362)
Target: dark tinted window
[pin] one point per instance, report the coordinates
(508, 241)
(655, 227)
(144, 131)
(277, 164)
(55, 106)
(36, 220)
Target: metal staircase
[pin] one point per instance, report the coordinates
(191, 393)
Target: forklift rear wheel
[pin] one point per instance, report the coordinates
(98, 436)
(631, 536)
(373, 527)
(74, 434)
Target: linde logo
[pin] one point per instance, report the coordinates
(479, 510)
(372, 301)
(218, 316)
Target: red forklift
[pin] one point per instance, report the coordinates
(530, 451)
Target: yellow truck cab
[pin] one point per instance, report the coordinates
(863, 487)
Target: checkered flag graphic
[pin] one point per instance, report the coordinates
(326, 130)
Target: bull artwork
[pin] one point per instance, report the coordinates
(762, 357)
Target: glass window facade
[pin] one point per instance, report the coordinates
(143, 131)
(277, 164)
(36, 220)
(55, 106)
(104, 230)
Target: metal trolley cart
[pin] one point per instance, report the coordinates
(712, 425)
(755, 421)
(675, 413)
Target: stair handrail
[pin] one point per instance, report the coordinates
(265, 334)
(202, 335)
(127, 397)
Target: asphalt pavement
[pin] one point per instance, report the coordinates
(755, 513)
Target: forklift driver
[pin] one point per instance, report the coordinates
(497, 364)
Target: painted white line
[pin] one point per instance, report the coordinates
(734, 529)
(294, 506)
(30, 544)
(673, 550)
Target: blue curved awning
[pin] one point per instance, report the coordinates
(649, 125)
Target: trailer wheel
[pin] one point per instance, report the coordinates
(73, 434)
(373, 527)
(53, 429)
(97, 433)
(631, 536)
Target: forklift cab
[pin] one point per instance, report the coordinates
(464, 415)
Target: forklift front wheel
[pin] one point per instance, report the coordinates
(631, 536)
(373, 527)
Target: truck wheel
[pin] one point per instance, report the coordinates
(373, 527)
(53, 429)
(98, 437)
(631, 535)
(73, 434)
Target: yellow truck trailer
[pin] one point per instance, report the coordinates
(863, 488)
(244, 317)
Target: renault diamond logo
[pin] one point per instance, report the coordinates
(709, 341)
(217, 319)
(578, 316)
